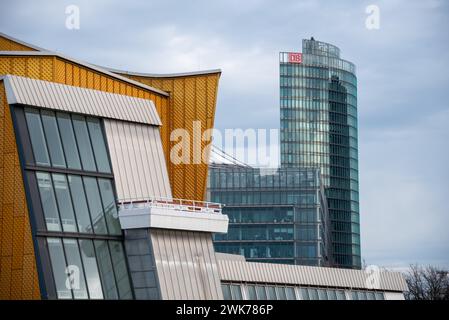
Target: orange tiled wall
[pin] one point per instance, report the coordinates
(192, 98)
(9, 45)
(18, 275)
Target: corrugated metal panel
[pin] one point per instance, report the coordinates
(137, 160)
(242, 271)
(185, 264)
(74, 99)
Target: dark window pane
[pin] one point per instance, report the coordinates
(331, 294)
(251, 292)
(280, 291)
(304, 294)
(37, 137)
(53, 140)
(379, 296)
(370, 296)
(290, 292)
(271, 293)
(75, 269)
(341, 295)
(236, 292)
(85, 148)
(68, 141)
(261, 293)
(90, 266)
(322, 294)
(80, 204)
(105, 267)
(98, 143)
(48, 201)
(110, 210)
(95, 206)
(226, 292)
(313, 294)
(120, 270)
(58, 265)
(64, 203)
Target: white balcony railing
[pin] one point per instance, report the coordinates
(171, 204)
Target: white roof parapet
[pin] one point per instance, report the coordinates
(243, 271)
(56, 96)
(175, 214)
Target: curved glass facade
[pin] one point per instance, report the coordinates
(318, 101)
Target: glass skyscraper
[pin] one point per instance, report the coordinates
(318, 101)
(275, 215)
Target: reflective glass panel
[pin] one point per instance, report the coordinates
(68, 141)
(304, 294)
(95, 206)
(271, 293)
(341, 295)
(313, 294)
(98, 143)
(48, 201)
(290, 293)
(64, 203)
(53, 139)
(379, 296)
(226, 292)
(280, 291)
(261, 293)
(59, 265)
(80, 204)
(75, 269)
(91, 268)
(251, 292)
(236, 292)
(109, 204)
(85, 147)
(106, 271)
(120, 269)
(36, 133)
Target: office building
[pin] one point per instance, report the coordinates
(318, 103)
(275, 215)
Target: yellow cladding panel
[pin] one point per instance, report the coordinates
(18, 273)
(9, 45)
(192, 98)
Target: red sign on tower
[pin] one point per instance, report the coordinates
(294, 57)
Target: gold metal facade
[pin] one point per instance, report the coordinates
(192, 98)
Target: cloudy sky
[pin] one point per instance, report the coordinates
(403, 86)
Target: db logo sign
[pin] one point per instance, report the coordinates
(295, 57)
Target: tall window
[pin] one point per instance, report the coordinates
(68, 169)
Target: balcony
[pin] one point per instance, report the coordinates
(170, 213)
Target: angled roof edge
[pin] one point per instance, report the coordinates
(63, 97)
(165, 75)
(85, 64)
(114, 72)
(26, 44)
